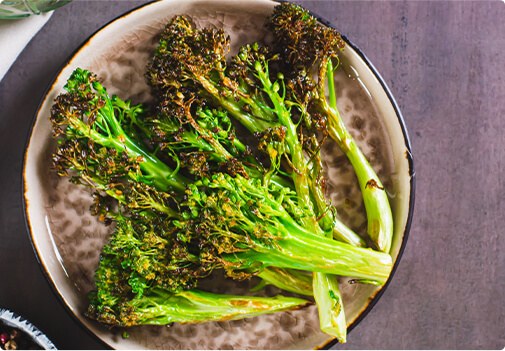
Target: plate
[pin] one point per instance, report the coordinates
(68, 240)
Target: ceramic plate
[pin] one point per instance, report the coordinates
(68, 240)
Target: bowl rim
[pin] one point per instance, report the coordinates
(410, 159)
(27, 327)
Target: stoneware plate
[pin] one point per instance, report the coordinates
(68, 240)
(29, 332)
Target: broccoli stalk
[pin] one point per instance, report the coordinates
(162, 307)
(333, 321)
(378, 210)
(112, 173)
(250, 227)
(291, 280)
(305, 45)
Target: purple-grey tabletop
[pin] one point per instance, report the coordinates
(444, 62)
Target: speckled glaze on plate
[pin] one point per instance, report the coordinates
(68, 240)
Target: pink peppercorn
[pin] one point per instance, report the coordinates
(4, 338)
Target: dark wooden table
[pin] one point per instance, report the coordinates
(445, 64)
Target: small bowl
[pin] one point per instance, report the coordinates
(32, 335)
(68, 240)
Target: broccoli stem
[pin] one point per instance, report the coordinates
(333, 322)
(253, 211)
(318, 254)
(286, 279)
(106, 130)
(380, 218)
(343, 233)
(325, 285)
(326, 290)
(158, 173)
(233, 107)
(340, 231)
(161, 307)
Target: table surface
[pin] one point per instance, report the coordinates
(444, 62)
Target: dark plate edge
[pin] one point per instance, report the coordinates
(396, 108)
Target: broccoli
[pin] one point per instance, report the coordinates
(87, 112)
(249, 227)
(223, 220)
(145, 277)
(306, 46)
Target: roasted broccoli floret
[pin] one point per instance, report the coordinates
(87, 112)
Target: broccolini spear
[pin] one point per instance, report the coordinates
(305, 45)
(87, 112)
(112, 173)
(231, 223)
(144, 279)
(250, 229)
(190, 59)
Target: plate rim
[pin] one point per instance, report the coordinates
(409, 156)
